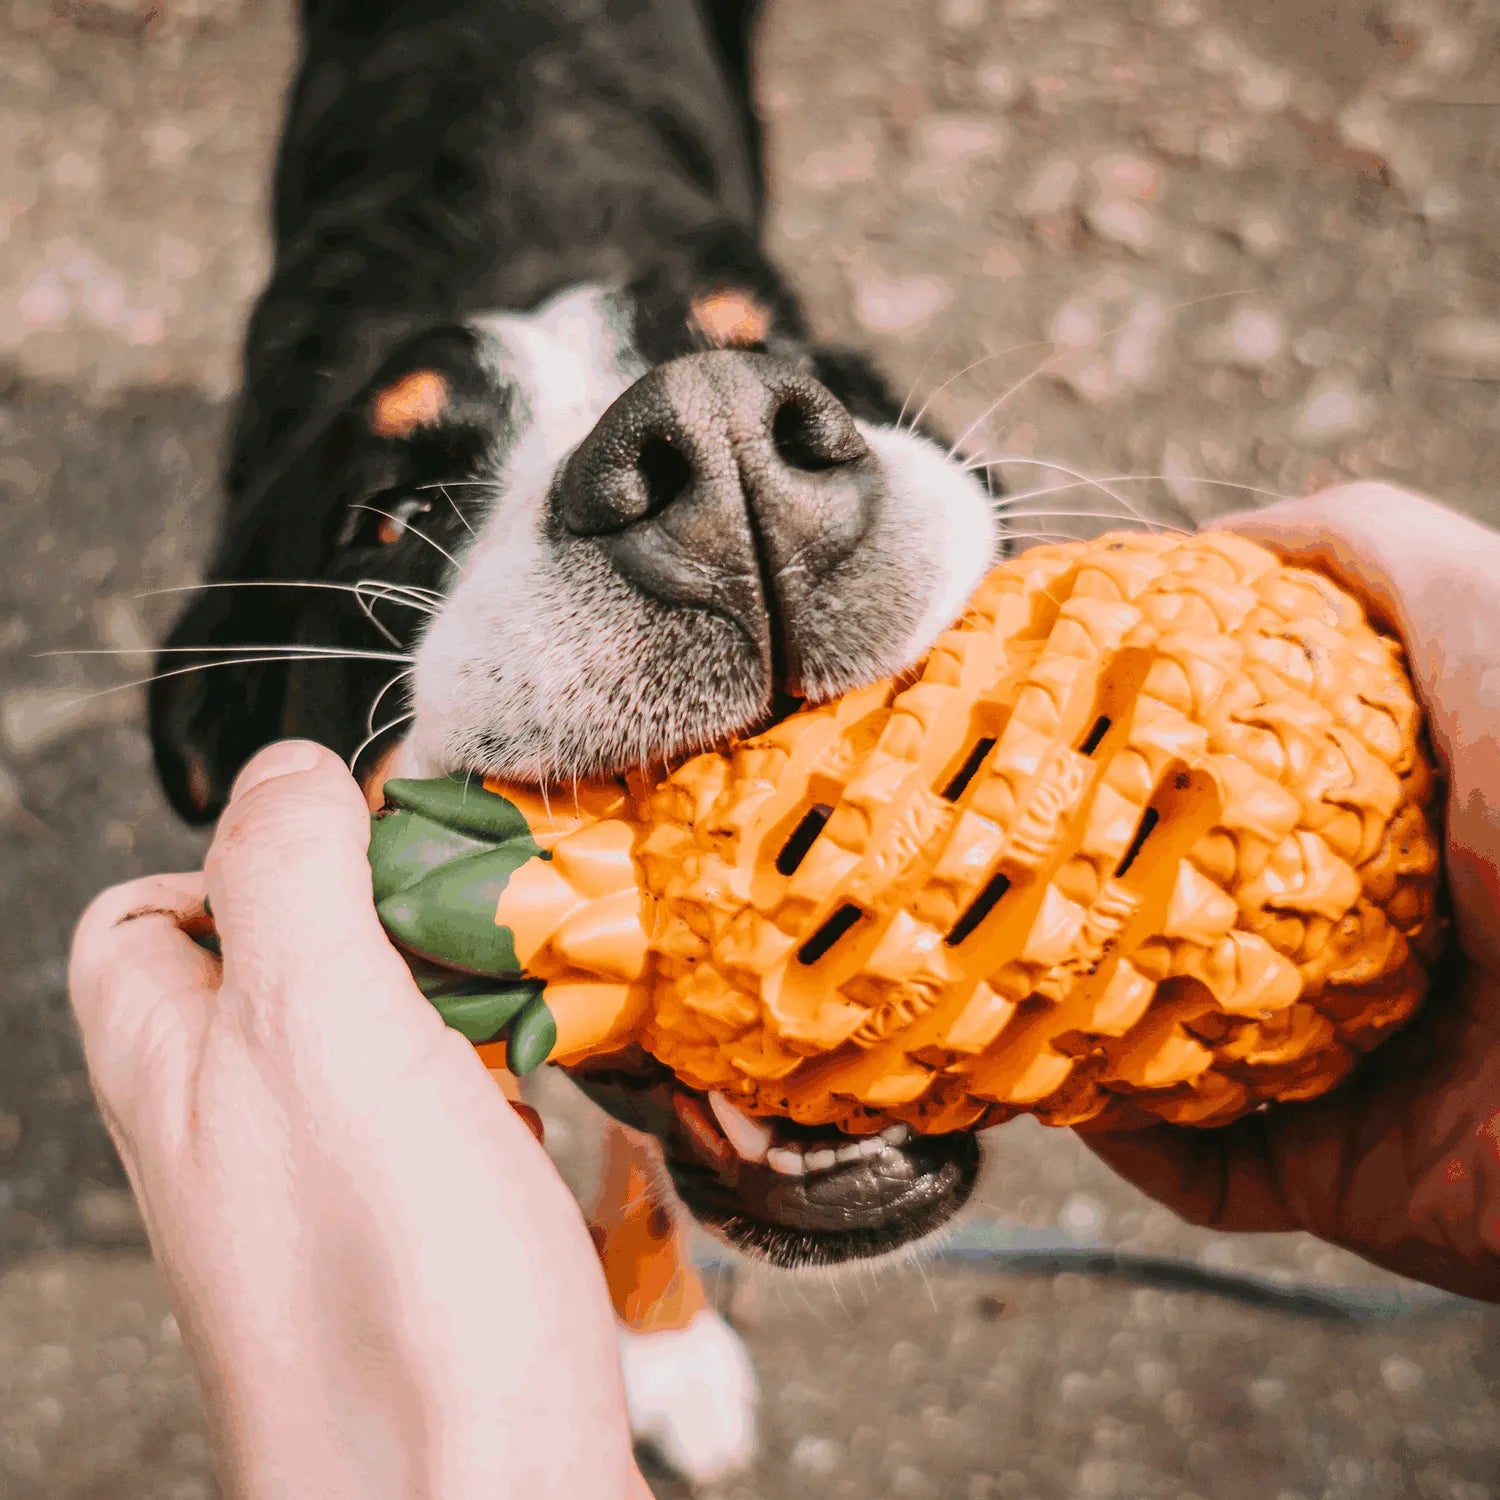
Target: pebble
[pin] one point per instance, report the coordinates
(1259, 234)
(1052, 190)
(1366, 124)
(1121, 222)
(910, 1483)
(898, 304)
(1467, 346)
(961, 15)
(33, 719)
(1119, 175)
(855, 159)
(1267, 1394)
(1402, 1376)
(1334, 410)
(816, 1456)
(107, 1213)
(1081, 1215)
(946, 142)
(999, 83)
(120, 627)
(1252, 338)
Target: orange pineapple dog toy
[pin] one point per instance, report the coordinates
(1150, 835)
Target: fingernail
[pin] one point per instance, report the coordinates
(285, 758)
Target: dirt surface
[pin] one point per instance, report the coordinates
(1250, 249)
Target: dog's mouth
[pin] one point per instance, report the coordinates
(791, 1194)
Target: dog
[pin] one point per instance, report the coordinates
(528, 415)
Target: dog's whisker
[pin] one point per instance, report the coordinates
(310, 653)
(403, 593)
(242, 661)
(984, 359)
(937, 348)
(453, 504)
(1060, 354)
(1228, 484)
(1086, 515)
(374, 735)
(1100, 482)
(367, 609)
(268, 583)
(375, 706)
(406, 526)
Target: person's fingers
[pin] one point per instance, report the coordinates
(290, 884)
(1425, 569)
(140, 989)
(1435, 575)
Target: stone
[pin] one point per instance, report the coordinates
(107, 1214)
(33, 719)
(1463, 345)
(1121, 222)
(817, 1457)
(1053, 189)
(1401, 1376)
(1334, 410)
(898, 304)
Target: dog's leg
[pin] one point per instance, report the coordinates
(688, 1380)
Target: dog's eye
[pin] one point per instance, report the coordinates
(382, 520)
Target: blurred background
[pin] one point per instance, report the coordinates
(1243, 245)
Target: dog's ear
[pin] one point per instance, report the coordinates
(209, 713)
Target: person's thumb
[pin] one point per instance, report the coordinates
(289, 881)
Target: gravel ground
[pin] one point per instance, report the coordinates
(1244, 250)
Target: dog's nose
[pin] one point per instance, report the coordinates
(727, 480)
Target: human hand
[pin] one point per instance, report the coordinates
(385, 1287)
(1402, 1163)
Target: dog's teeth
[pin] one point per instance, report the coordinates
(787, 1160)
(750, 1138)
(821, 1159)
(896, 1134)
(852, 1152)
(872, 1145)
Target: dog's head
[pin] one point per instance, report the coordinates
(586, 538)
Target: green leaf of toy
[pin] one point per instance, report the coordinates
(405, 846)
(449, 915)
(460, 803)
(483, 1015)
(533, 1035)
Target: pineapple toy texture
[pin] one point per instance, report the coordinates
(1150, 835)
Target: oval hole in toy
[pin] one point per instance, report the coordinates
(1149, 820)
(829, 933)
(802, 838)
(981, 906)
(969, 769)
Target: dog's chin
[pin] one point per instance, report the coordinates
(892, 1194)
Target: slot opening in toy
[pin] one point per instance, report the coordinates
(844, 919)
(1097, 733)
(969, 769)
(1149, 820)
(802, 838)
(979, 908)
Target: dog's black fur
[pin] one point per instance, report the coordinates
(439, 163)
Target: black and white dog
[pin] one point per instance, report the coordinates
(524, 371)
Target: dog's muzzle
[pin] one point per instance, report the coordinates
(727, 481)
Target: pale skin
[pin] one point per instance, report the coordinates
(384, 1285)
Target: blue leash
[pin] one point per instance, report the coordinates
(994, 1245)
